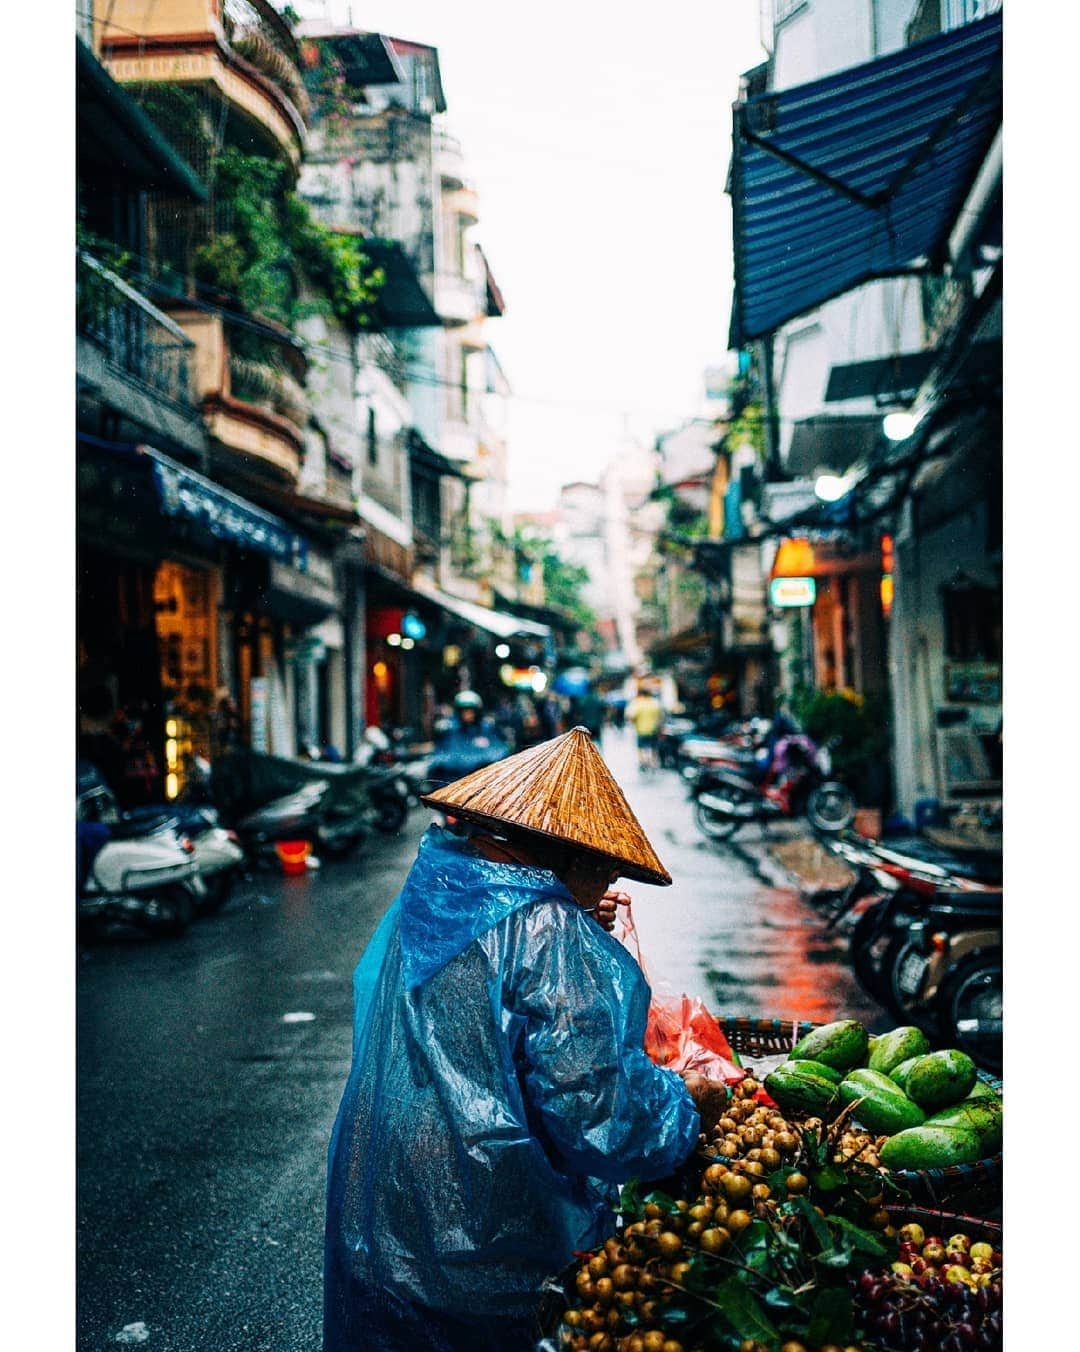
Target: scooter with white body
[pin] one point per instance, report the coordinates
(140, 871)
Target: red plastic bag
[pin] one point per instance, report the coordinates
(681, 1034)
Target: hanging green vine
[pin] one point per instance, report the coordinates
(268, 240)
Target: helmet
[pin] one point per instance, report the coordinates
(468, 699)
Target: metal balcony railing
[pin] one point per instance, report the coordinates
(256, 32)
(267, 386)
(133, 334)
(387, 358)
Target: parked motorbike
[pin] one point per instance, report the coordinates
(400, 778)
(926, 944)
(673, 732)
(947, 965)
(219, 855)
(270, 799)
(135, 869)
(795, 783)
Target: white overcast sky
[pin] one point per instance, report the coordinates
(598, 137)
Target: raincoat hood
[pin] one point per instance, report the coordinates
(454, 895)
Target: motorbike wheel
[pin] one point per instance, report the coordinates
(904, 1004)
(830, 808)
(716, 825)
(392, 813)
(174, 910)
(867, 950)
(219, 889)
(969, 1007)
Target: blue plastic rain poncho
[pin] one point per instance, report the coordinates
(498, 1093)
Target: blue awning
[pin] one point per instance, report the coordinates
(859, 175)
(183, 494)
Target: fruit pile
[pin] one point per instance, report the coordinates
(940, 1296)
(778, 1238)
(926, 1110)
(757, 1132)
(621, 1290)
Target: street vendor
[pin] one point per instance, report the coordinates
(499, 1091)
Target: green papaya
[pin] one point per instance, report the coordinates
(801, 1092)
(941, 1079)
(841, 1045)
(981, 1116)
(883, 1108)
(983, 1090)
(891, 1049)
(929, 1147)
(900, 1073)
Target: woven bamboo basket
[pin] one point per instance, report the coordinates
(962, 1185)
(977, 1228)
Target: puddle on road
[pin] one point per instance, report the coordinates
(298, 1016)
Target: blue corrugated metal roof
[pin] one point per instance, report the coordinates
(858, 175)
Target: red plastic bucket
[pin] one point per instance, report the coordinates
(293, 855)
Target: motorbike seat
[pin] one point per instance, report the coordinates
(713, 783)
(968, 904)
(142, 822)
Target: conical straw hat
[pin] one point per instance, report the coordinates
(560, 789)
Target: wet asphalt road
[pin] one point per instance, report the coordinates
(210, 1068)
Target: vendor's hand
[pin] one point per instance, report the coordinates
(606, 908)
(710, 1098)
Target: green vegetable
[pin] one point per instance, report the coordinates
(817, 1068)
(928, 1147)
(841, 1045)
(903, 1070)
(797, 1090)
(896, 1047)
(982, 1116)
(884, 1108)
(940, 1079)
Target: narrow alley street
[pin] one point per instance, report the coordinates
(211, 1066)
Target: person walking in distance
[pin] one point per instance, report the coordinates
(646, 713)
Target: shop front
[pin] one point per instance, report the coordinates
(146, 627)
(187, 598)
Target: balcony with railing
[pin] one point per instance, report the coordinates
(249, 381)
(242, 49)
(449, 159)
(135, 338)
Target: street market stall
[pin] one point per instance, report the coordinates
(827, 1206)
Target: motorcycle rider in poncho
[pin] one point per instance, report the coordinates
(499, 1091)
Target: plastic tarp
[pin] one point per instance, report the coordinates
(499, 1092)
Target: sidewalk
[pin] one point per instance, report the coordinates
(795, 858)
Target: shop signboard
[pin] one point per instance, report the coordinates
(789, 592)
